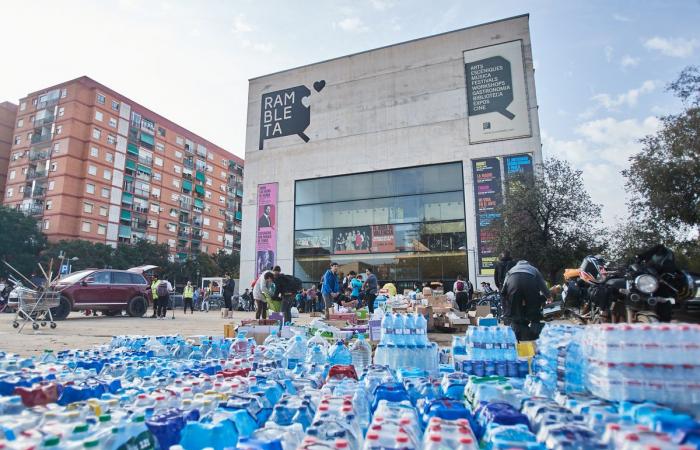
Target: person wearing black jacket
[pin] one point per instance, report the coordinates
(285, 291)
(524, 293)
(504, 264)
(228, 289)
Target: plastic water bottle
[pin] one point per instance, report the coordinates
(295, 353)
(399, 330)
(421, 330)
(316, 356)
(388, 329)
(214, 352)
(196, 353)
(410, 330)
(273, 338)
(361, 354)
(475, 344)
(319, 340)
(239, 348)
(340, 355)
(48, 357)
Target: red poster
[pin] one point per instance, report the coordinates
(266, 236)
(383, 239)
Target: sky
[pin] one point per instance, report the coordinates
(601, 67)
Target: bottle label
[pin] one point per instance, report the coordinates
(399, 331)
(407, 331)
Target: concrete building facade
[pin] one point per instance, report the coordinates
(89, 163)
(8, 115)
(393, 159)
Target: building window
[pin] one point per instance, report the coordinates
(99, 116)
(59, 129)
(208, 181)
(173, 212)
(179, 141)
(94, 152)
(49, 204)
(155, 192)
(61, 111)
(18, 140)
(96, 133)
(47, 223)
(103, 211)
(205, 234)
(86, 227)
(92, 170)
(219, 238)
(161, 131)
(207, 194)
(221, 199)
(157, 176)
(87, 207)
(107, 174)
(160, 147)
(113, 122)
(206, 221)
(10, 192)
(100, 98)
(101, 229)
(23, 106)
(111, 139)
(64, 93)
(54, 167)
(115, 105)
(155, 208)
(223, 174)
(12, 174)
(176, 183)
(158, 162)
(109, 157)
(221, 225)
(105, 192)
(51, 185)
(174, 197)
(20, 123)
(90, 188)
(57, 147)
(177, 169)
(178, 154)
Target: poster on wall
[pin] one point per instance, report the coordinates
(496, 95)
(517, 164)
(266, 236)
(352, 240)
(383, 239)
(488, 198)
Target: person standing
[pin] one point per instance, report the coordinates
(311, 298)
(504, 264)
(228, 290)
(461, 295)
(285, 291)
(263, 291)
(154, 295)
(524, 292)
(330, 288)
(187, 296)
(370, 286)
(163, 290)
(356, 285)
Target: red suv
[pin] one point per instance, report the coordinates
(107, 290)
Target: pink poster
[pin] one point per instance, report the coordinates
(266, 236)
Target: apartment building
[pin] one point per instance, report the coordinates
(8, 114)
(91, 164)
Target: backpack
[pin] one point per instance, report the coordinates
(162, 289)
(460, 285)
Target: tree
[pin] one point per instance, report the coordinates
(664, 178)
(549, 219)
(20, 242)
(89, 254)
(139, 253)
(229, 263)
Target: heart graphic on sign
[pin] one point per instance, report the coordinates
(305, 101)
(319, 85)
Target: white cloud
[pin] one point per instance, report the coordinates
(628, 98)
(602, 150)
(395, 25)
(629, 61)
(621, 18)
(240, 25)
(675, 47)
(381, 5)
(263, 47)
(608, 53)
(353, 24)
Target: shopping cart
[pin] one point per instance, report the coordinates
(33, 306)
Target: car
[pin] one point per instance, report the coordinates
(106, 290)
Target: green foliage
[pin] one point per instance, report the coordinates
(549, 220)
(229, 263)
(20, 242)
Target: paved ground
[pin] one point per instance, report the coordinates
(78, 331)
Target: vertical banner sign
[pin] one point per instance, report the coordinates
(496, 94)
(266, 236)
(487, 197)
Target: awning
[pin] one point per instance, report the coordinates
(147, 138)
(125, 215)
(124, 231)
(198, 203)
(144, 169)
(127, 198)
(186, 185)
(199, 189)
(133, 149)
(131, 164)
(200, 176)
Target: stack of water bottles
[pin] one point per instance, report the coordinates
(559, 363)
(404, 342)
(488, 350)
(659, 362)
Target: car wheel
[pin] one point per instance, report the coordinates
(137, 307)
(62, 310)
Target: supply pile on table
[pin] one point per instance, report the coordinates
(309, 393)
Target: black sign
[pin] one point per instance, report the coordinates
(286, 112)
(518, 164)
(488, 198)
(489, 86)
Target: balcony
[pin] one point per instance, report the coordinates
(36, 155)
(185, 204)
(44, 117)
(184, 218)
(146, 160)
(188, 163)
(36, 209)
(141, 193)
(139, 225)
(33, 174)
(50, 101)
(38, 138)
(37, 192)
(197, 223)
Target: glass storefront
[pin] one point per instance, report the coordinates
(406, 224)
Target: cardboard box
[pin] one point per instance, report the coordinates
(440, 301)
(481, 311)
(427, 312)
(316, 314)
(229, 330)
(348, 317)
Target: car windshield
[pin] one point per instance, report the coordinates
(75, 277)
